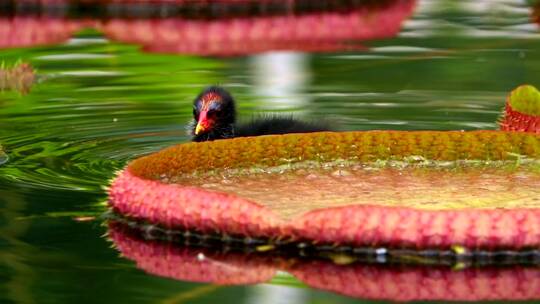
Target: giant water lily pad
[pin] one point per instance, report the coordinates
(284, 27)
(219, 28)
(477, 189)
(522, 111)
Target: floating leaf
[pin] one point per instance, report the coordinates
(522, 111)
(525, 99)
(405, 189)
(189, 27)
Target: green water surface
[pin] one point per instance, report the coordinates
(98, 103)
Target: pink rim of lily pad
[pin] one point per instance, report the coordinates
(137, 193)
(309, 32)
(222, 37)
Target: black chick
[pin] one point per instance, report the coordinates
(214, 115)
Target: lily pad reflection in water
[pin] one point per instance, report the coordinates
(361, 280)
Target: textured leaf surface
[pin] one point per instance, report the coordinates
(522, 111)
(485, 180)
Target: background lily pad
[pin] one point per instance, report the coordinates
(522, 111)
(525, 99)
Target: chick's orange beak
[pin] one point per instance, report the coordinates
(203, 124)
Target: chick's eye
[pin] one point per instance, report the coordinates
(212, 113)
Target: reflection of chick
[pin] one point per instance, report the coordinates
(214, 117)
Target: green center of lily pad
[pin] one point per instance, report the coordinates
(526, 99)
(299, 189)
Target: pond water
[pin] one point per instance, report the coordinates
(100, 100)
